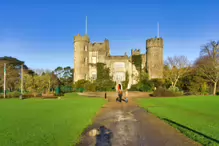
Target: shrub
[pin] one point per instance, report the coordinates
(157, 82)
(66, 89)
(175, 90)
(80, 83)
(162, 92)
(27, 95)
(147, 87)
(133, 88)
(90, 86)
(13, 94)
(217, 93)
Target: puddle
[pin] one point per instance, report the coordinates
(104, 137)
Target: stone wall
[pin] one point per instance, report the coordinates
(154, 57)
(81, 57)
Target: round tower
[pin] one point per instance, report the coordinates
(154, 57)
(81, 57)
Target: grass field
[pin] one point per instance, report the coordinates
(39, 122)
(196, 117)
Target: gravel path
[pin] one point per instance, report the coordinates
(126, 124)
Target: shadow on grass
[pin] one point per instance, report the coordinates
(208, 140)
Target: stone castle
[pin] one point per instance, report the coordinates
(87, 54)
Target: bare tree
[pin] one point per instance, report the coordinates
(175, 68)
(208, 62)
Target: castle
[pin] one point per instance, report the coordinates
(87, 54)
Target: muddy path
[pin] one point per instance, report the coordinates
(126, 124)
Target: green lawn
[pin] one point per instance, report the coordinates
(196, 117)
(38, 122)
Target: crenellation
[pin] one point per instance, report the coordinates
(81, 38)
(136, 52)
(155, 42)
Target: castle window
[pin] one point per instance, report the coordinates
(85, 48)
(94, 59)
(94, 75)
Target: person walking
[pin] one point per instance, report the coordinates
(120, 95)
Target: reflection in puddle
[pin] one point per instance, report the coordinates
(104, 137)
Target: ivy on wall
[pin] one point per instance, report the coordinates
(137, 61)
(125, 83)
(104, 80)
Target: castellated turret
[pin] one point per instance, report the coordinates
(136, 52)
(81, 57)
(154, 57)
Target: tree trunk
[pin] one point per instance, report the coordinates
(215, 88)
(174, 85)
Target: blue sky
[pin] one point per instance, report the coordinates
(41, 32)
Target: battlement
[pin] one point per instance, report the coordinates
(136, 52)
(117, 57)
(97, 44)
(154, 42)
(81, 38)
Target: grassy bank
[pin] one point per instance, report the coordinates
(196, 117)
(50, 122)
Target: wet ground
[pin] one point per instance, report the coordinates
(126, 124)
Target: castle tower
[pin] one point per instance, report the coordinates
(154, 57)
(107, 47)
(81, 57)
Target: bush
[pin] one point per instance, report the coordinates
(80, 83)
(27, 95)
(66, 89)
(173, 89)
(157, 82)
(145, 87)
(217, 93)
(133, 88)
(90, 86)
(13, 94)
(162, 92)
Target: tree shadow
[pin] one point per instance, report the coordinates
(104, 137)
(191, 130)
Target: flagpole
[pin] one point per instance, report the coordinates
(4, 80)
(86, 26)
(158, 30)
